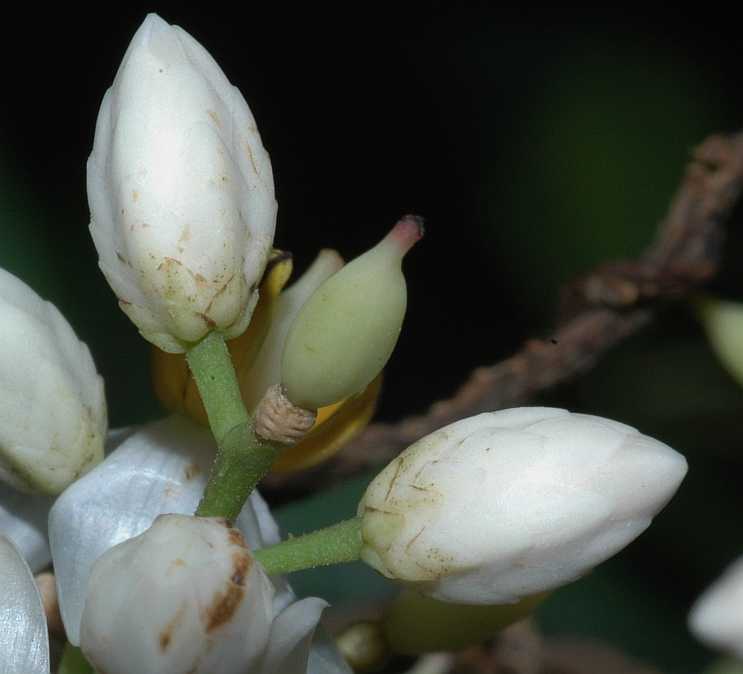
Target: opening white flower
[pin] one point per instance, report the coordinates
(162, 468)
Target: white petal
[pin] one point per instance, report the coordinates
(23, 519)
(291, 637)
(162, 468)
(24, 642)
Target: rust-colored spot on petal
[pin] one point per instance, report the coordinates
(225, 604)
(241, 564)
(222, 288)
(209, 321)
(215, 117)
(236, 538)
(168, 262)
(166, 636)
(224, 607)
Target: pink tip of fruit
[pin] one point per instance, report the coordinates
(407, 232)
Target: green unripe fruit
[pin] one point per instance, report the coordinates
(347, 330)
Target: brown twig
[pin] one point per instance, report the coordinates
(598, 311)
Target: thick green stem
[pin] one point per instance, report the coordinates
(243, 458)
(215, 377)
(242, 461)
(333, 545)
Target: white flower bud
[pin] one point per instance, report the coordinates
(52, 405)
(507, 504)
(717, 616)
(24, 642)
(186, 596)
(160, 468)
(180, 191)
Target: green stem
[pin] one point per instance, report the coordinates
(74, 662)
(215, 377)
(243, 459)
(335, 544)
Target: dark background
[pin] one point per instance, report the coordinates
(536, 143)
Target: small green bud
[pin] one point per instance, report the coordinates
(347, 330)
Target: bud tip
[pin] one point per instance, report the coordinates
(407, 232)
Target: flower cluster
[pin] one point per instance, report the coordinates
(166, 559)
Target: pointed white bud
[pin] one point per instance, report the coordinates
(180, 191)
(185, 597)
(52, 406)
(24, 642)
(506, 504)
(717, 616)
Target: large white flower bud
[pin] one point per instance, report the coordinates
(717, 616)
(52, 405)
(180, 191)
(506, 504)
(186, 596)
